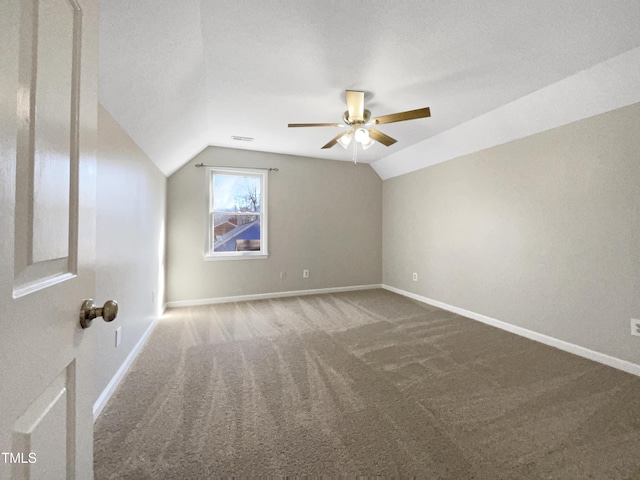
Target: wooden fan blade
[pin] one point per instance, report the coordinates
(334, 140)
(402, 116)
(381, 137)
(355, 105)
(314, 125)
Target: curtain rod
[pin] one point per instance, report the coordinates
(198, 165)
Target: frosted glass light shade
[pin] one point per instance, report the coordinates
(345, 140)
(367, 144)
(362, 135)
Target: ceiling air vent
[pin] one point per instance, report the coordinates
(241, 139)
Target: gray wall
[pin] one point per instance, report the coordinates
(131, 194)
(324, 216)
(543, 232)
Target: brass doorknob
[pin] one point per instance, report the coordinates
(88, 311)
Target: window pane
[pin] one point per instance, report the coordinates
(236, 232)
(234, 193)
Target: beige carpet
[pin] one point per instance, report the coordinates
(364, 383)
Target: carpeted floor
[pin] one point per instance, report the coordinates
(365, 383)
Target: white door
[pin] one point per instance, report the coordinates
(48, 117)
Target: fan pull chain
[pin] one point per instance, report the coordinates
(355, 153)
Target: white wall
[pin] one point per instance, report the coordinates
(542, 233)
(324, 215)
(131, 194)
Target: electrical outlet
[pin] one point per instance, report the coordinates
(283, 275)
(415, 276)
(118, 336)
(305, 273)
(635, 327)
(153, 296)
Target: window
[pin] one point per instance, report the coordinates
(237, 214)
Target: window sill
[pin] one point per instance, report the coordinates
(216, 258)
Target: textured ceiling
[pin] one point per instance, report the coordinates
(179, 76)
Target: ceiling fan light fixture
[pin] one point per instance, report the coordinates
(362, 135)
(345, 140)
(369, 143)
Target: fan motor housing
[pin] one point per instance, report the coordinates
(348, 121)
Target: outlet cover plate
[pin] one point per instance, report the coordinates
(635, 327)
(305, 273)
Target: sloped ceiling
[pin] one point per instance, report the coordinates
(181, 75)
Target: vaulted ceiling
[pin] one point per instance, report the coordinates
(181, 75)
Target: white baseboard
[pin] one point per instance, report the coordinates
(530, 334)
(263, 296)
(104, 397)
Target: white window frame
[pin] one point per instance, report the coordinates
(209, 254)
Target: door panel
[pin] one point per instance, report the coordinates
(51, 123)
(47, 142)
(48, 121)
(44, 423)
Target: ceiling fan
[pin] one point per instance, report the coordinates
(359, 120)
